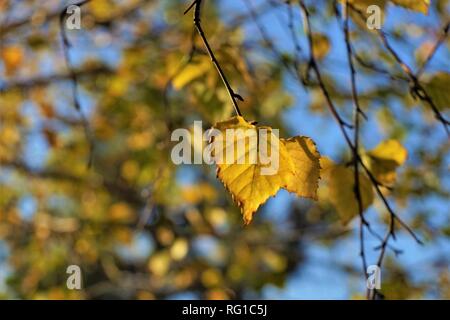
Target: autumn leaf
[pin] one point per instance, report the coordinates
(121, 211)
(321, 45)
(298, 165)
(339, 180)
(338, 189)
(362, 6)
(244, 181)
(194, 194)
(384, 159)
(191, 72)
(416, 5)
(12, 57)
(437, 88)
(305, 157)
(102, 9)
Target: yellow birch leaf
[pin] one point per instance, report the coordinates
(244, 181)
(121, 211)
(363, 7)
(321, 45)
(437, 88)
(364, 4)
(416, 5)
(191, 72)
(305, 157)
(244, 172)
(384, 159)
(103, 9)
(338, 189)
(12, 57)
(195, 194)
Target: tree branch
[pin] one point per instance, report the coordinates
(197, 23)
(357, 113)
(342, 125)
(39, 81)
(438, 43)
(416, 88)
(76, 100)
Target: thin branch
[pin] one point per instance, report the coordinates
(357, 113)
(371, 294)
(295, 71)
(44, 80)
(314, 66)
(166, 99)
(416, 88)
(49, 16)
(116, 188)
(66, 45)
(197, 23)
(291, 27)
(373, 67)
(433, 51)
(376, 184)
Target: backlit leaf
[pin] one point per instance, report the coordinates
(12, 57)
(384, 159)
(321, 45)
(339, 182)
(247, 181)
(438, 88)
(305, 157)
(416, 5)
(191, 72)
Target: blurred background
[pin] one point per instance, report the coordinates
(140, 227)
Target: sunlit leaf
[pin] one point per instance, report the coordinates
(12, 57)
(384, 159)
(339, 182)
(305, 158)
(247, 181)
(416, 5)
(438, 88)
(321, 45)
(190, 72)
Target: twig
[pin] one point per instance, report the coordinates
(149, 194)
(6, 29)
(374, 181)
(197, 23)
(297, 46)
(166, 99)
(357, 113)
(314, 66)
(118, 189)
(74, 77)
(44, 80)
(373, 67)
(416, 88)
(295, 72)
(438, 43)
